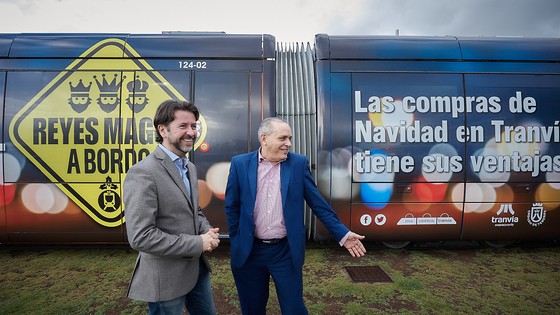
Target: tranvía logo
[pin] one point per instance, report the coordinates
(505, 216)
(536, 214)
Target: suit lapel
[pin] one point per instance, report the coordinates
(194, 194)
(171, 169)
(285, 172)
(252, 172)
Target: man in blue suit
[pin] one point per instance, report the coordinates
(265, 196)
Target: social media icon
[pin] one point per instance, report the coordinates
(365, 220)
(380, 219)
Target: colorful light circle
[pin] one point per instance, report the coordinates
(549, 196)
(216, 178)
(494, 178)
(429, 192)
(204, 147)
(204, 194)
(553, 179)
(43, 198)
(9, 193)
(11, 168)
(376, 188)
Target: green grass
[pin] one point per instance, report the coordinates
(518, 280)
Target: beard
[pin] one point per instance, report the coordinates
(183, 148)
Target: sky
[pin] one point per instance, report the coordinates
(287, 20)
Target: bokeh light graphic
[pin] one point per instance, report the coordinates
(429, 192)
(553, 179)
(548, 195)
(341, 174)
(495, 178)
(394, 118)
(524, 148)
(216, 179)
(479, 197)
(43, 198)
(10, 171)
(440, 152)
(341, 185)
(204, 194)
(9, 193)
(375, 187)
(504, 194)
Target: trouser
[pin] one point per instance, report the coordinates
(198, 301)
(253, 278)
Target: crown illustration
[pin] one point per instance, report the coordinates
(107, 88)
(80, 88)
(108, 184)
(141, 86)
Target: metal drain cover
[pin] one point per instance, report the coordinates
(370, 274)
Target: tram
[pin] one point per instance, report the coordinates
(409, 138)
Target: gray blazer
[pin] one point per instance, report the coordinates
(163, 225)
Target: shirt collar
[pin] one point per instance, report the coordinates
(172, 155)
(262, 158)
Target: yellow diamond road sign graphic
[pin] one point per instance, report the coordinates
(91, 123)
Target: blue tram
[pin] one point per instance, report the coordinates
(410, 138)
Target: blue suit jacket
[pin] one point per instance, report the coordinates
(297, 185)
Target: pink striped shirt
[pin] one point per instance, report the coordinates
(268, 216)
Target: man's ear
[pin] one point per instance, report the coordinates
(161, 129)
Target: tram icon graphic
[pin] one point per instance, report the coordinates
(109, 200)
(505, 208)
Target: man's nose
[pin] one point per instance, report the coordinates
(191, 132)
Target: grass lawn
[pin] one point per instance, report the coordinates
(426, 279)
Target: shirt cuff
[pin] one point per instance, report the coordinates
(343, 240)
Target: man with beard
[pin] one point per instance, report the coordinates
(164, 222)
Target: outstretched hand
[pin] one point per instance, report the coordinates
(354, 245)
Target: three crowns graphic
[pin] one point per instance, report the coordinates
(108, 100)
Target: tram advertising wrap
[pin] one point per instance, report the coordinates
(410, 138)
(431, 142)
(78, 113)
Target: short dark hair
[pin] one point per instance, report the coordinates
(165, 113)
